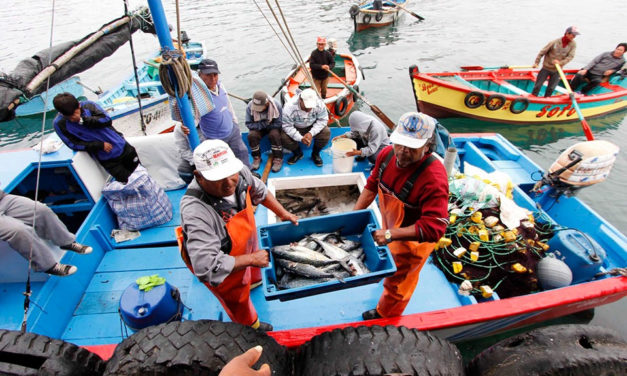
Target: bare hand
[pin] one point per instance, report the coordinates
(291, 217)
(555, 61)
(353, 153)
(582, 72)
(185, 130)
(241, 365)
(325, 67)
(535, 65)
(608, 72)
(307, 139)
(379, 237)
(259, 259)
(107, 147)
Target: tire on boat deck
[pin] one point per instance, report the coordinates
(555, 350)
(377, 350)
(33, 354)
(200, 347)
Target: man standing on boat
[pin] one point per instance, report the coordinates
(413, 197)
(602, 66)
(85, 126)
(221, 122)
(17, 216)
(264, 117)
(219, 230)
(559, 51)
(305, 120)
(320, 62)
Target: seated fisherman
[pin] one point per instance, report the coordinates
(16, 228)
(601, 66)
(85, 126)
(370, 135)
(263, 117)
(220, 232)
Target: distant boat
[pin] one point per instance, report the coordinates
(503, 95)
(365, 16)
(339, 99)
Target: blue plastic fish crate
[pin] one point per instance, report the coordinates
(359, 223)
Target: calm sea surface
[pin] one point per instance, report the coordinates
(455, 33)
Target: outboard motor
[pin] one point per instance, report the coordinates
(581, 165)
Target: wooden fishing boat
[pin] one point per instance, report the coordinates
(503, 95)
(89, 314)
(339, 100)
(121, 101)
(365, 16)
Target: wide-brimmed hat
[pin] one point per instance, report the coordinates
(413, 130)
(215, 160)
(259, 101)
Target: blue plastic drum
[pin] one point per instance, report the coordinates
(140, 309)
(583, 255)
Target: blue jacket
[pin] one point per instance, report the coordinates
(91, 132)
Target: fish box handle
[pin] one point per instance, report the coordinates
(264, 239)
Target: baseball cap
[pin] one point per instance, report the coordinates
(322, 40)
(215, 160)
(309, 98)
(573, 30)
(260, 98)
(413, 130)
(208, 66)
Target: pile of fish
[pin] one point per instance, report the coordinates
(312, 202)
(318, 258)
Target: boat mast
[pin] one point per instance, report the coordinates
(163, 33)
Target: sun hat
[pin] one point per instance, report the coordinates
(208, 66)
(413, 130)
(309, 98)
(260, 98)
(215, 160)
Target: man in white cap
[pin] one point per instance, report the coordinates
(413, 197)
(305, 121)
(558, 51)
(264, 117)
(320, 62)
(218, 224)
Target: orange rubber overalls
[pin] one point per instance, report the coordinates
(234, 292)
(409, 257)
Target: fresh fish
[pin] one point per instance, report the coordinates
(301, 254)
(357, 266)
(291, 281)
(304, 270)
(358, 253)
(336, 253)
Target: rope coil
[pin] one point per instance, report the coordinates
(181, 80)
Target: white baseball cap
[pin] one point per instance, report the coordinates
(215, 160)
(309, 98)
(413, 130)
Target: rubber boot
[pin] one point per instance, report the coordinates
(315, 156)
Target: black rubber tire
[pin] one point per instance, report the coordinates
(377, 350)
(354, 11)
(379, 16)
(555, 350)
(192, 348)
(493, 107)
(340, 107)
(366, 19)
(33, 354)
(521, 103)
(474, 99)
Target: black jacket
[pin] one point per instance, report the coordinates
(317, 60)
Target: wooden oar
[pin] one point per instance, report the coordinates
(406, 10)
(586, 128)
(479, 67)
(374, 108)
(240, 98)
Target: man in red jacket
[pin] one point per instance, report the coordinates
(413, 197)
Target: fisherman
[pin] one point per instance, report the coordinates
(320, 62)
(332, 43)
(559, 51)
(85, 126)
(17, 216)
(413, 197)
(305, 120)
(369, 133)
(219, 229)
(221, 122)
(264, 117)
(600, 67)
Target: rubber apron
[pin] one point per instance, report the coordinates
(409, 257)
(234, 292)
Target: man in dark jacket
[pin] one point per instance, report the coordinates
(85, 126)
(602, 66)
(320, 61)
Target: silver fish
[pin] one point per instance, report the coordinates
(304, 270)
(301, 254)
(336, 253)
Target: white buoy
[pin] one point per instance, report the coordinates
(553, 273)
